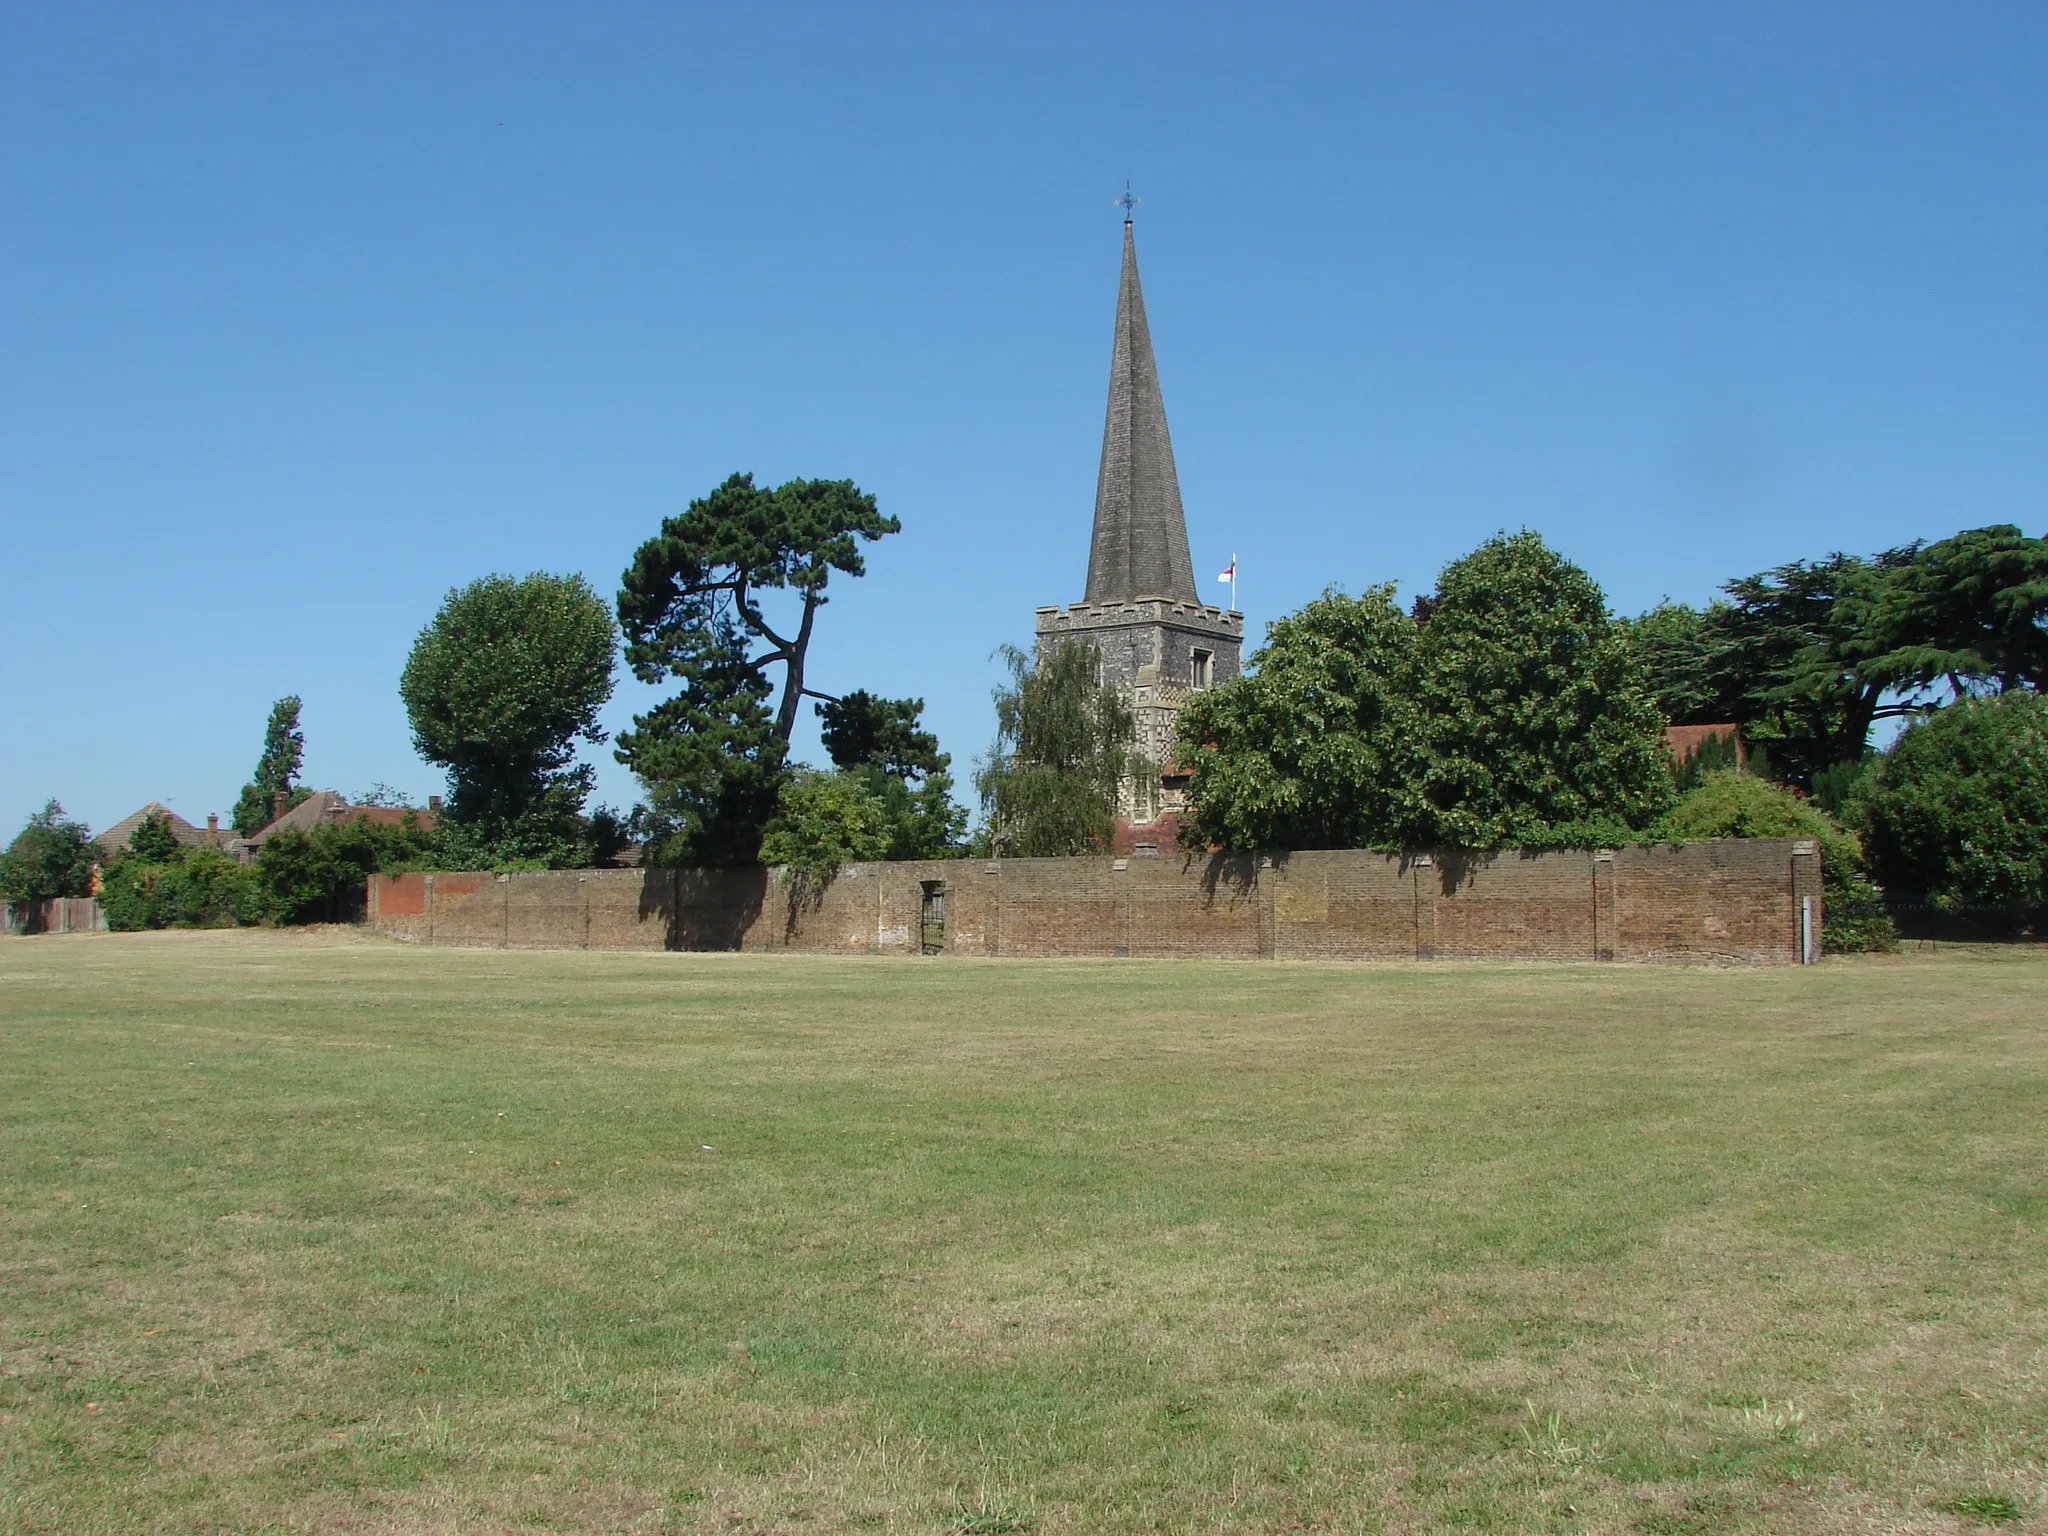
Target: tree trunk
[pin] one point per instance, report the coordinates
(793, 679)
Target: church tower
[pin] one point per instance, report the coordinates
(1158, 640)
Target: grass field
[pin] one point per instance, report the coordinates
(314, 1232)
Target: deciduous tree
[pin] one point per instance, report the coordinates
(1064, 745)
(880, 743)
(501, 685)
(51, 856)
(1318, 744)
(1957, 807)
(1538, 719)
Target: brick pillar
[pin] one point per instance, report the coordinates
(1605, 921)
(1427, 887)
(1806, 887)
(1266, 877)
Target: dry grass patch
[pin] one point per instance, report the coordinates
(320, 1233)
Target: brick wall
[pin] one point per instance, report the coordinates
(1732, 900)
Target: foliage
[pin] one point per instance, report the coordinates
(500, 686)
(709, 758)
(317, 876)
(1540, 726)
(1734, 804)
(880, 742)
(1808, 656)
(51, 856)
(1673, 643)
(1509, 711)
(825, 820)
(1064, 744)
(1958, 807)
(1835, 785)
(712, 759)
(277, 769)
(861, 729)
(1318, 745)
(1971, 610)
(157, 882)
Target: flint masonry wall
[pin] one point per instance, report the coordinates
(1729, 901)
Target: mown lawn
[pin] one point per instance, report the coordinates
(323, 1233)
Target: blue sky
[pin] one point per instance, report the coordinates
(311, 312)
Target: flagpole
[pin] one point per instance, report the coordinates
(1233, 581)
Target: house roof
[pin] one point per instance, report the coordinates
(1685, 740)
(324, 805)
(119, 834)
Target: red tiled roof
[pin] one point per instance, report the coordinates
(1685, 740)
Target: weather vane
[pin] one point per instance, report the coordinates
(1128, 202)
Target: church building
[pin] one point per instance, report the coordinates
(1158, 640)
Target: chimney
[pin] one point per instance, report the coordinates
(434, 804)
(279, 804)
(213, 829)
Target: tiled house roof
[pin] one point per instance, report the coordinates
(1685, 740)
(120, 832)
(324, 805)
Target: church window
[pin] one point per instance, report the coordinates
(1204, 669)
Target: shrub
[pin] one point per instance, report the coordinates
(825, 820)
(1731, 804)
(183, 887)
(1958, 807)
(51, 856)
(318, 876)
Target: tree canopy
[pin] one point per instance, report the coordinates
(880, 744)
(693, 608)
(277, 769)
(1538, 718)
(51, 856)
(1317, 745)
(1957, 807)
(1508, 710)
(1064, 746)
(500, 687)
(1808, 656)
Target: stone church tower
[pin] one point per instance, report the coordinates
(1159, 641)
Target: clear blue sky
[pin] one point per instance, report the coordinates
(311, 312)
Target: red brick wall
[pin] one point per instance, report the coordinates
(1733, 900)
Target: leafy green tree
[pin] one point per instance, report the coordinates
(157, 882)
(1064, 746)
(277, 769)
(709, 759)
(880, 743)
(1958, 806)
(319, 875)
(1970, 610)
(861, 729)
(1319, 744)
(1539, 723)
(51, 856)
(1674, 644)
(692, 608)
(501, 685)
(1733, 804)
(825, 820)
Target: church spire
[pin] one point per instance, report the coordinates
(1141, 535)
